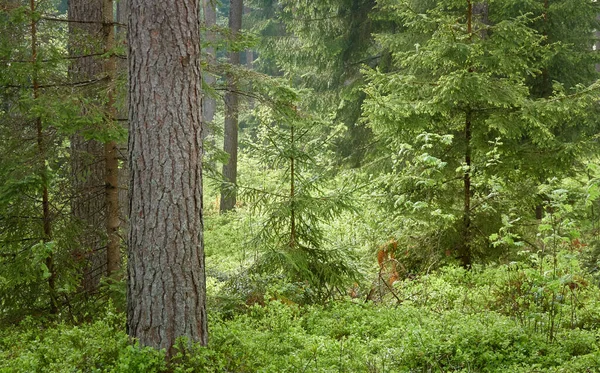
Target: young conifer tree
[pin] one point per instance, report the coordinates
(456, 112)
(36, 116)
(296, 209)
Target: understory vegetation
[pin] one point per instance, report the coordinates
(510, 318)
(530, 310)
(415, 187)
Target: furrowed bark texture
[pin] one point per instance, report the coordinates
(230, 135)
(87, 156)
(166, 287)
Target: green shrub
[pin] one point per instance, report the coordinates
(451, 321)
(35, 347)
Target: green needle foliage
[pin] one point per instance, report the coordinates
(300, 203)
(466, 136)
(33, 193)
(322, 46)
(40, 108)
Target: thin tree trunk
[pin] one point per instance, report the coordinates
(249, 59)
(166, 287)
(545, 91)
(249, 62)
(113, 246)
(465, 253)
(121, 37)
(122, 14)
(209, 104)
(46, 217)
(230, 141)
(292, 193)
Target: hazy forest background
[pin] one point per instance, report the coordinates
(299, 186)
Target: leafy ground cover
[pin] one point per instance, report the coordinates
(509, 318)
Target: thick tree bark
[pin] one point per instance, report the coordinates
(209, 104)
(166, 287)
(230, 140)
(87, 156)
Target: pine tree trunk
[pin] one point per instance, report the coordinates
(465, 251)
(292, 192)
(46, 217)
(230, 141)
(209, 104)
(113, 245)
(87, 156)
(249, 62)
(123, 155)
(166, 287)
(477, 11)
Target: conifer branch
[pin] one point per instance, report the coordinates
(121, 56)
(54, 19)
(71, 84)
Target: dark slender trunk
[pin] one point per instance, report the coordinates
(292, 193)
(209, 104)
(166, 287)
(121, 38)
(113, 245)
(466, 250)
(545, 91)
(546, 85)
(230, 141)
(46, 217)
(249, 62)
(465, 253)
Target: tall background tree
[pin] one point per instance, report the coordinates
(87, 155)
(231, 130)
(95, 146)
(111, 153)
(209, 103)
(323, 46)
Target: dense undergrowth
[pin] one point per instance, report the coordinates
(433, 144)
(529, 311)
(508, 318)
(534, 308)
